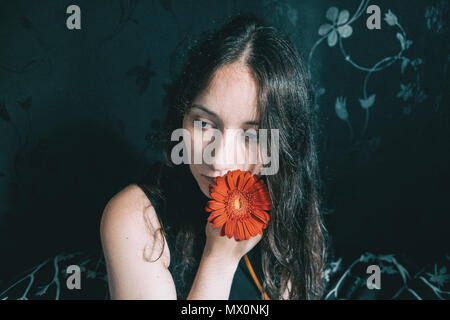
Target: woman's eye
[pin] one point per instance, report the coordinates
(204, 124)
(251, 136)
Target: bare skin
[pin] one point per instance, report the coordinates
(124, 237)
(230, 102)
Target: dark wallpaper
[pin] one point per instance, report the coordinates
(81, 112)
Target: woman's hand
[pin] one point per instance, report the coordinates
(222, 247)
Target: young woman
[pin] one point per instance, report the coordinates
(155, 235)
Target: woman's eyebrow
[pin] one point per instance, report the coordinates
(203, 108)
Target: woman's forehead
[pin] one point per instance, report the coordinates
(231, 95)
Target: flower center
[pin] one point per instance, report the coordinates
(237, 203)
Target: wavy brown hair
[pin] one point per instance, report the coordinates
(293, 246)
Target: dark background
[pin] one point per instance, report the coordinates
(80, 112)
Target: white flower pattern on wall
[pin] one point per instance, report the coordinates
(339, 28)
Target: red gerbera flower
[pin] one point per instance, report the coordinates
(239, 206)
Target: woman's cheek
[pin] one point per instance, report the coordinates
(188, 140)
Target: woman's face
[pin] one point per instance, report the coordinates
(229, 103)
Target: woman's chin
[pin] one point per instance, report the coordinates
(205, 191)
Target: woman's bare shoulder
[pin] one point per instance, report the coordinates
(129, 215)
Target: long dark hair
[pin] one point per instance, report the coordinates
(293, 246)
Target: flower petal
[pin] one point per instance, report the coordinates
(257, 227)
(249, 184)
(343, 17)
(217, 196)
(262, 206)
(236, 232)
(229, 229)
(262, 203)
(332, 38)
(249, 225)
(258, 185)
(261, 215)
(218, 221)
(332, 14)
(221, 187)
(390, 18)
(345, 31)
(214, 205)
(262, 194)
(260, 227)
(324, 29)
(240, 230)
(262, 197)
(247, 234)
(230, 181)
(248, 177)
(243, 179)
(236, 177)
(216, 213)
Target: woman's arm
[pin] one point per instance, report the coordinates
(218, 264)
(214, 278)
(130, 241)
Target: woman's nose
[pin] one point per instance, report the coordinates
(226, 154)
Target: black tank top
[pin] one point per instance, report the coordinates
(179, 201)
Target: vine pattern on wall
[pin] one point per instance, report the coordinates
(337, 28)
(48, 280)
